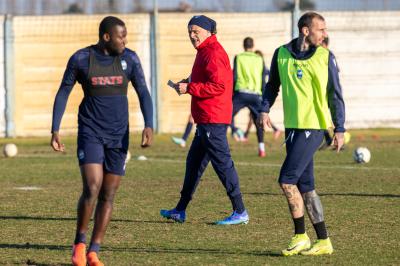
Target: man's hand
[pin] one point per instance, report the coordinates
(263, 121)
(184, 80)
(338, 141)
(181, 87)
(147, 137)
(55, 142)
(174, 86)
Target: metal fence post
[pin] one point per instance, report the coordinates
(295, 18)
(9, 84)
(155, 70)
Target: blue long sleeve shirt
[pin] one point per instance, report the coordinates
(77, 71)
(334, 89)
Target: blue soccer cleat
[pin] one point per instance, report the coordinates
(238, 135)
(177, 216)
(179, 141)
(235, 218)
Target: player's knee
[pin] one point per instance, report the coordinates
(107, 196)
(286, 187)
(309, 194)
(313, 206)
(90, 192)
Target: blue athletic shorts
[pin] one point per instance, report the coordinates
(109, 152)
(298, 167)
(251, 101)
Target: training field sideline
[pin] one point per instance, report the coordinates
(39, 190)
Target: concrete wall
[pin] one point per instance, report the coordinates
(177, 55)
(43, 46)
(367, 47)
(365, 44)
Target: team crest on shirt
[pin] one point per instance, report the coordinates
(299, 73)
(124, 64)
(81, 154)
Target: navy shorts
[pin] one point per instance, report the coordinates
(298, 167)
(110, 153)
(251, 101)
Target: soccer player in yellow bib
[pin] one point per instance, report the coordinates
(310, 89)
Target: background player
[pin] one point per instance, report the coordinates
(249, 76)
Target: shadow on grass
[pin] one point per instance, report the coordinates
(39, 218)
(34, 263)
(146, 250)
(351, 194)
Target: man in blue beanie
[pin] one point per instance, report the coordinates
(210, 85)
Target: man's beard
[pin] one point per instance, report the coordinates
(111, 49)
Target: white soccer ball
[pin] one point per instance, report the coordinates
(142, 158)
(361, 155)
(128, 157)
(10, 150)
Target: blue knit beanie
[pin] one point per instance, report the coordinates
(204, 22)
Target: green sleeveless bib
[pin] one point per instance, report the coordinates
(249, 67)
(304, 89)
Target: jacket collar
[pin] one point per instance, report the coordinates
(208, 41)
(291, 46)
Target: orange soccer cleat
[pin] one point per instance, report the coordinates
(93, 260)
(79, 254)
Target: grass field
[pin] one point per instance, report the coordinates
(362, 207)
